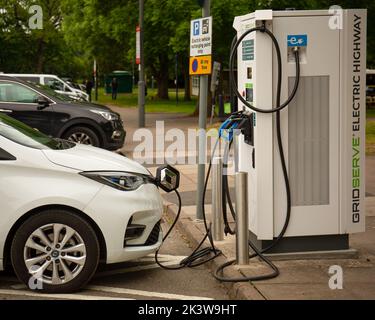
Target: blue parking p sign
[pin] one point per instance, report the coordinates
(196, 29)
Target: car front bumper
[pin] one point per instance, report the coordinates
(114, 210)
(115, 135)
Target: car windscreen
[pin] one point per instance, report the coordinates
(47, 91)
(22, 134)
(53, 93)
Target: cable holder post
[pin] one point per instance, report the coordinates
(242, 225)
(217, 194)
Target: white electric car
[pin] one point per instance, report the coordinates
(66, 207)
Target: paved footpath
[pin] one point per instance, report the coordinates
(299, 279)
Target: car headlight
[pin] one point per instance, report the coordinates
(110, 116)
(124, 181)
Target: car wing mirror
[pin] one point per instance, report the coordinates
(42, 102)
(168, 178)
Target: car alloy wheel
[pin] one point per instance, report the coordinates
(81, 138)
(55, 251)
(55, 254)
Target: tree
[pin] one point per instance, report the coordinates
(24, 49)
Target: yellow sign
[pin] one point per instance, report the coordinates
(200, 65)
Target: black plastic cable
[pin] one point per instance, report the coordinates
(278, 55)
(230, 84)
(276, 110)
(227, 228)
(196, 258)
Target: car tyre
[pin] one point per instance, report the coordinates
(82, 135)
(71, 264)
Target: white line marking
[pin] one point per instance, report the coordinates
(57, 296)
(19, 287)
(145, 293)
(169, 256)
(134, 269)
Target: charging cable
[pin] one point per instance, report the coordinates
(218, 274)
(237, 120)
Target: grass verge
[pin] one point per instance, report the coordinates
(153, 104)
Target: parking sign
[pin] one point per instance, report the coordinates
(201, 37)
(196, 28)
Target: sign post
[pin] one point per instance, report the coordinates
(201, 65)
(140, 62)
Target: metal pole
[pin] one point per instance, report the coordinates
(217, 204)
(176, 70)
(203, 92)
(242, 220)
(236, 139)
(141, 83)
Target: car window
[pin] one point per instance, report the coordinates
(14, 92)
(46, 89)
(54, 84)
(22, 134)
(35, 80)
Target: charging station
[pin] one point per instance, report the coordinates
(322, 129)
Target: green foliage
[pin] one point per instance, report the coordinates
(25, 50)
(78, 31)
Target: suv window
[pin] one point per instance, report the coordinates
(34, 80)
(54, 84)
(13, 92)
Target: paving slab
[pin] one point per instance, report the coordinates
(299, 279)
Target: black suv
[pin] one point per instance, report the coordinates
(61, 117)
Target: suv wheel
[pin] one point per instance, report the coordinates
(55, 251)
(82, 135)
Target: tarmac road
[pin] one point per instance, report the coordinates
(140, 280)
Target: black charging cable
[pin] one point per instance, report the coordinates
(200, 255)
(204, 255)
(218, 274)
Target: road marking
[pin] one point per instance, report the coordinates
(57, 296)
(146, 293)
(134, 269)
(164, 256)
(19, 287)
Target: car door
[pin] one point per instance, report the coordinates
(20, 102)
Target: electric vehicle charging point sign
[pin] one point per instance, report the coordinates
(201, 47)
(200, 65)
(201, 37)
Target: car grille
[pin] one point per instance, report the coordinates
(154, 235)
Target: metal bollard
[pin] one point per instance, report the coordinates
(242, 219)
(217, 205)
